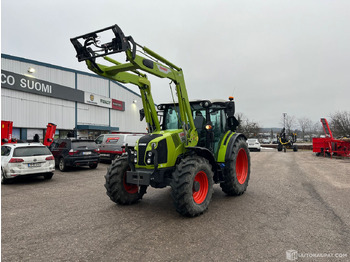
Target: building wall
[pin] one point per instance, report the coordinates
(55, 75)
(131, 110)
(34, 111)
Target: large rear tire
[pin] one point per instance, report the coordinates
(117, 189)
(192, 186)
(238, 170)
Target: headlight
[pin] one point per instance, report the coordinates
(135, 160)
(149, 154)
(135, 153)
(148, 161)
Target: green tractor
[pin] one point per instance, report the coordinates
(190, 145)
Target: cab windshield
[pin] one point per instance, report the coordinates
(214, 115)
(172, 114)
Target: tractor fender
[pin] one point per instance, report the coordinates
(206, 153)
(230, 144)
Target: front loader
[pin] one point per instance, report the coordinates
(194, 145)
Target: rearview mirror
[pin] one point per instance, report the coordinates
(142, 114)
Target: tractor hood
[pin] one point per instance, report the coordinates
(158, 149)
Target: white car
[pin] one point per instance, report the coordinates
(254, 144)
(24, 159)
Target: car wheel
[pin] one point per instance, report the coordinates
(4, 180)
(48, 176)
(93, 166)
(62, 165)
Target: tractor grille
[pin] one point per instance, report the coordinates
(162, 150)
(143, 143)
(141, 154)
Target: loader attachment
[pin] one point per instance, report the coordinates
(89, 46)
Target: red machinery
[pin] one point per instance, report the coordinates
(6, 132)
(329, 146)
(50, 134)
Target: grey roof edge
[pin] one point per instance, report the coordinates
(26, 60)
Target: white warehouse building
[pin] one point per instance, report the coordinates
(34, 94)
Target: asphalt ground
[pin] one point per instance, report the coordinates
(295, 202)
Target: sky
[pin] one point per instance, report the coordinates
(273, 56)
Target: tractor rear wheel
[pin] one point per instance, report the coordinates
(192, 186)
(117, 189)
(238, 170)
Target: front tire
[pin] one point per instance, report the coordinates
(192, 186)
(4, 180)
(237, 173)
(117, 189)
(93, 166)
(48, 176)
(279, 147)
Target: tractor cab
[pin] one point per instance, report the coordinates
(212, 118)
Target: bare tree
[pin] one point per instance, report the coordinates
(340, 123)
(247, 127)
(317, 129)
(288, 122)
(305, 125)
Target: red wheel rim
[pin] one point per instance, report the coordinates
(200, 195)
(130, 188)
(242, 166)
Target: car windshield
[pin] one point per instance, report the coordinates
(79, 145)
(31, 151)
(131, 140)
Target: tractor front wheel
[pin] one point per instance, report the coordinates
(192, 186)
(238, 170)
(117, 189)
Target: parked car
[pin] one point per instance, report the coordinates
(254, 144)
(75, 152)
(113, 145)
(26, 159)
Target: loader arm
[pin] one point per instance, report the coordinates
(129, 72)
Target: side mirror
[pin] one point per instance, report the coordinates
(230, 109)
(232, 123)
(142, 114)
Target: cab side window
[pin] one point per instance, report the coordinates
(53, 145)
(5, 151)
(63, 144)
